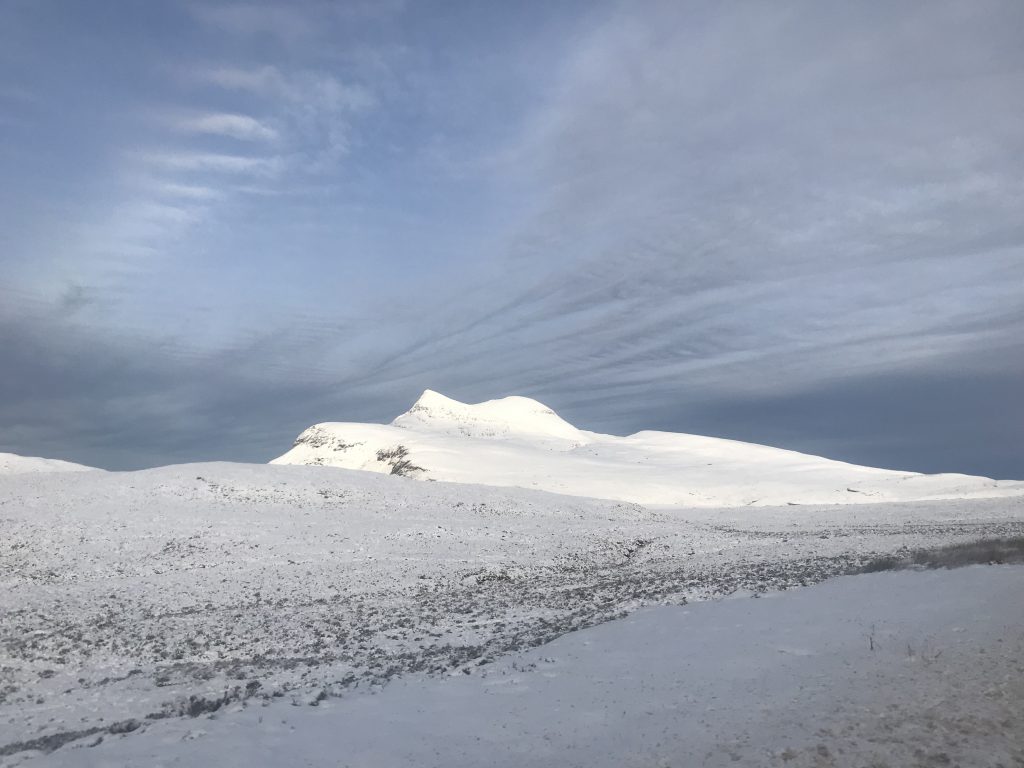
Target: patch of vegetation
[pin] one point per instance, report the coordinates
(984, 552)
(49, 742)
(397, 457)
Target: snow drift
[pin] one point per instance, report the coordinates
(516, 441)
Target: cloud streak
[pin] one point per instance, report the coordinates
(211, 161)
(656, 215)
(223, 124)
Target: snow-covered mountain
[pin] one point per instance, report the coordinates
(516, 441)
(13, 464)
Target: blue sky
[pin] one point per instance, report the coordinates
(796, 223)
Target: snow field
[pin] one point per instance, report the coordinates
(129, 600)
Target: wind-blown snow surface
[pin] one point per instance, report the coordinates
(13, 464)
(860, 671)
(129, 600)
(516, 441)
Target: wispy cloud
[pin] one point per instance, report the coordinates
(187, 191)
(838, 220)
(225, 124)
(314, 112)
(306, 132)
(187, 160)
(634, 209)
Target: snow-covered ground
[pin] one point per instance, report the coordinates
(13, 464)
(520, 442)
(139, 603)
(892, 669)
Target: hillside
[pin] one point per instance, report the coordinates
(176, 599)
(516, 441)
(13, 464)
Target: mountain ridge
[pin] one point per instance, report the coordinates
(518, 441)
(511, 416)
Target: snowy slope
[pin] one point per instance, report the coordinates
(13, 464)
(132, 599)
(516, 441)
(861, 671)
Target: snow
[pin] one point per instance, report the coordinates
(516, 441)
(865, 670)
(509, 417)
(13, 464)
(131, 601)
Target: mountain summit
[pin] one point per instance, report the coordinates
(508, 417)
(516, 441)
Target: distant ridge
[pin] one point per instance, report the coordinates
(13, 464)
(517, 441)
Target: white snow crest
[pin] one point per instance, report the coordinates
(13, 464)
(509, 417)
(516, 441)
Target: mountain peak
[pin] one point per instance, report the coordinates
(519, 441)
(507, 417)
(431, 399)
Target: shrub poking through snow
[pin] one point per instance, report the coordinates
(984, 552)
(396, 457)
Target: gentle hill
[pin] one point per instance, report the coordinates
(13, 464)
